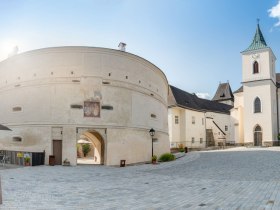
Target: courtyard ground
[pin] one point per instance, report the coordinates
(238, 178)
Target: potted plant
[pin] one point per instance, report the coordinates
(154, 159)
(66, 162)
(27, 161)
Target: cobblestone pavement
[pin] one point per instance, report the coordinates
(229, 179)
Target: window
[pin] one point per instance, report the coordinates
(202, 121)
(76, 106)
(153, 116)
(201, 140)
(192, 139)
(257, 105)
(255, 67)
(193, 120)
(107, 107)
(176, 119)
(17, 109)
(17, 138)
(226, 128)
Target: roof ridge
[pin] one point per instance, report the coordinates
(188, 100)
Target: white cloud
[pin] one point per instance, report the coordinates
(203, 95)
(274, 12)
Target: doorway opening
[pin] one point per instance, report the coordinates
(258, 136)
(57, 152)
(90, 148)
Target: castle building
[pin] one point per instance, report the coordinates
(52, 98)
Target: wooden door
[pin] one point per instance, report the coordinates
(57, 151)
(258, 138)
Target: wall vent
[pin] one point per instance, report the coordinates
(107, 107)
(75, 80)
(17, 109)
(153, 116)
(76, 106)
(17, 138)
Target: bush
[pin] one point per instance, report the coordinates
(181, 150)
(86, 149)
(167, 157)
(154, 158)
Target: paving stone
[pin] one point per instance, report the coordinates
(226, 179)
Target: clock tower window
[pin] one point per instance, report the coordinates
(255, 67)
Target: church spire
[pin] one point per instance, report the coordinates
(258, 41)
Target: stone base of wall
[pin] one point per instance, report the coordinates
(248, 144)
(239, 144)
(270, 143)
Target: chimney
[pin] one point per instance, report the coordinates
(122, 46)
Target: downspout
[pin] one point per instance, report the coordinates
(205, 129)
(277, 110)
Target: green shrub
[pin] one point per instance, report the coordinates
(181, 150)
(167, 157)
(154, 158)
(86, 149)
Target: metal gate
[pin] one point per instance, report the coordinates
(38, 158)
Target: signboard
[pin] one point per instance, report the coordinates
(20, 154)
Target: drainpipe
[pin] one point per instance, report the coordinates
(277, 110)
(205, 129)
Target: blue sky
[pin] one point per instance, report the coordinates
(196, 43)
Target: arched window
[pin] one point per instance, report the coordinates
(255, 67)
(257, 105)
(258, 128)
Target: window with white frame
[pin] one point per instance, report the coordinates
(192, 139)
(257, 105)
(176, 119)
(193, 120)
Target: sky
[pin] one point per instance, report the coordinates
(196, 43)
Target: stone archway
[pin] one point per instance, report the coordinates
(96, 141)
(258, 136)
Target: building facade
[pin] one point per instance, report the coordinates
(255, 114)
(252, 116)
(53, 97)
(195, 122)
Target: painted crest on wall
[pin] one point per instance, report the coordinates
(92, 109)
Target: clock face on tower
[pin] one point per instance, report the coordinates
(255, 56)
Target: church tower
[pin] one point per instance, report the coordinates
(259, 88)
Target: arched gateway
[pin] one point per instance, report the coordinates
(96, 143)
(258, 136)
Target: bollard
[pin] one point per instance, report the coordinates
(51, 160)
(122, 163)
